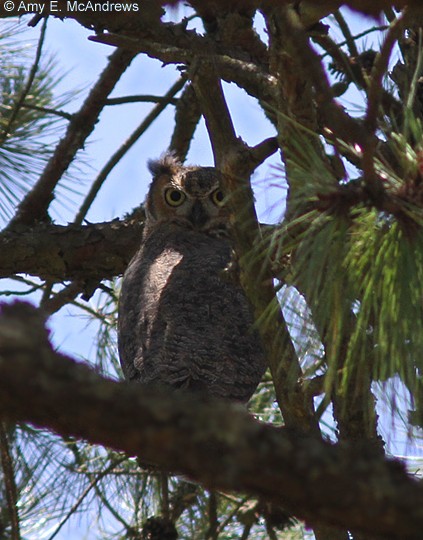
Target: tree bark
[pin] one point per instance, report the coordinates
(60, 253)
(213, 442)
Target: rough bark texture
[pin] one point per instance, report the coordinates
(335, 488)
(87, 252)
(317, 481)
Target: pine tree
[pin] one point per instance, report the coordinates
(336, 281)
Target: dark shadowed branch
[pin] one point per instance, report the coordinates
(9, 480)
(303, 473)
(57, 253)
(187, 116)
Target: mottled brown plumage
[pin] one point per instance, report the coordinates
(182, 323)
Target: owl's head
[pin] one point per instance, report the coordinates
(191, 196)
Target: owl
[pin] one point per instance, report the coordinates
(183, 323)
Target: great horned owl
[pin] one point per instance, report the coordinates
(182, 323)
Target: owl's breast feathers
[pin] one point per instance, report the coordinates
(182, 324)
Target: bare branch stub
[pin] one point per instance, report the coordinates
(187, 116)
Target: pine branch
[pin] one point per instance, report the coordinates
(35, 204)
(304, 473)
(307, 60)
(92, 485)
(237, 161)
(48, 110)
(231, 64)
(119, 20)
(373, 182)
(345, 29)
(26, 90)
(86, 253)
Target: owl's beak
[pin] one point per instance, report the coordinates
(198, 216)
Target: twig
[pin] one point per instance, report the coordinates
(345, 29)
(10, 482)
(61, 298)
(47, 289)
(231, 515)
(117, 156)
(36, 202)
(246, 532)
(270, 532)
(140, 99)
(183, 497)
(83, 495)
(212, 532)
(33, 288)
(341, 59)
(110, 508)
(164, 485)
(47, 110)
(378, 71)
(107, 504)
(263, 150)
(358, 36)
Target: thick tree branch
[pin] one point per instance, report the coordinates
(82, 253)
(306, 475)
(237, 161)
(309, 10)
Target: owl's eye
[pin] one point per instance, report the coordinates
(174, 197)
(218, 197)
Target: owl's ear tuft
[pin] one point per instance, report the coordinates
(167, 164)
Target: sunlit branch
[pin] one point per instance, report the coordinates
(35, 204)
